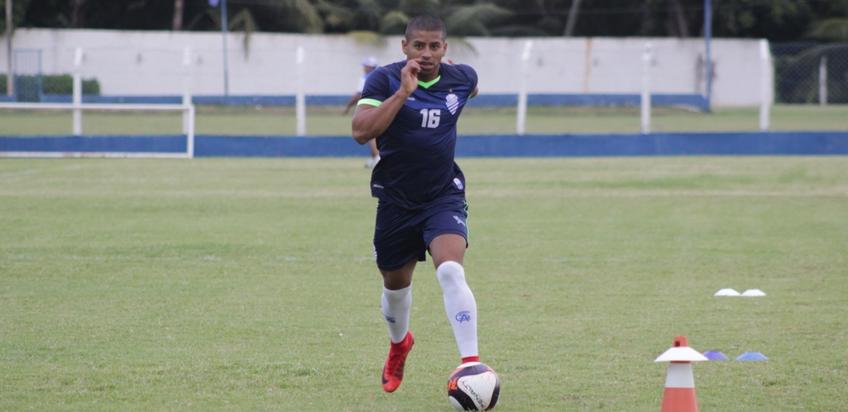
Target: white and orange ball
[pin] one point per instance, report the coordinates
(473, 386)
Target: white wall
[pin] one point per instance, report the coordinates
(150, 63)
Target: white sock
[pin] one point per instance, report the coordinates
(395, 305)
(460, 307)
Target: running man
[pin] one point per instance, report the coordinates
(411, 108)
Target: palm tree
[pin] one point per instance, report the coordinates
(573, 14)
(76, 13)
(677, 19)
(475, 19)
(177, 24)
(835, 29)
(393, 22)
(293, 16)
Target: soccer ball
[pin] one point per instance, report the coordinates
(473, 386)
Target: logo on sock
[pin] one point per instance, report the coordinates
(390, 319)
(457, 183)
(464, 316)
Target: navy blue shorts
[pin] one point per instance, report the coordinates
(401, 235)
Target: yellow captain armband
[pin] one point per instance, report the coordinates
(370, 102)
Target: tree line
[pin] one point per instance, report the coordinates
(776, 20)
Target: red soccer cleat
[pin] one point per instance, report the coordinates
(393, 370)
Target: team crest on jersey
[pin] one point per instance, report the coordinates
(452, 102)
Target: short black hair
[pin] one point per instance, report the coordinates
(425, 23)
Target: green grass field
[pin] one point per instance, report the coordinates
(329, 120)
(245, 284)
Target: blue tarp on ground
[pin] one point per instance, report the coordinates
(566, 145)
(94, 144)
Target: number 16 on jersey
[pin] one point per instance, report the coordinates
(430, 118)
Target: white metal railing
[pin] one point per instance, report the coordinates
(188, 111)
(77, 107)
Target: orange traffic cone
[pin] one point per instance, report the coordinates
(679, 393)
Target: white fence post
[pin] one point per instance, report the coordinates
(190, 131)
(765, 85)
(823, 81)
(77, 92)
(645, 105)
(521, 111)
(300, 98)
(186, 87)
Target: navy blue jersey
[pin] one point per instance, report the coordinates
(417, 167)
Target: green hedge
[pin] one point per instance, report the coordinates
(52, 84)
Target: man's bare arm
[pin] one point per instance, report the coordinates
(371, 121)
